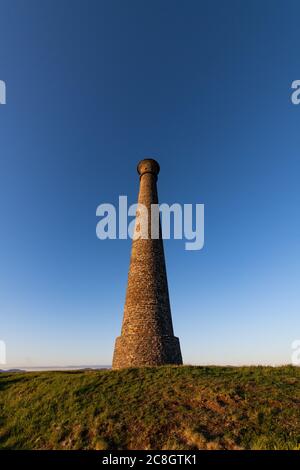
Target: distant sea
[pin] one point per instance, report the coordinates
(40, 369)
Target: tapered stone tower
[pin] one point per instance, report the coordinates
(147, 337)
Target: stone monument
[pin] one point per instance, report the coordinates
(147, 337)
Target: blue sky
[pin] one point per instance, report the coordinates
(204, 87)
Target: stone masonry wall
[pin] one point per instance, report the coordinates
(147, 336)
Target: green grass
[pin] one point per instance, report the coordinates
(152, 408)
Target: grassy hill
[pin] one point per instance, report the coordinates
(152, 408)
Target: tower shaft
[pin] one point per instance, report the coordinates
(147, 336)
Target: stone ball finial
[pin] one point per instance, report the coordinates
(148, 165)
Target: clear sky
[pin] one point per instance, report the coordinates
(204, 87)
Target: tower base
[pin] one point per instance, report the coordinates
(136, 351)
